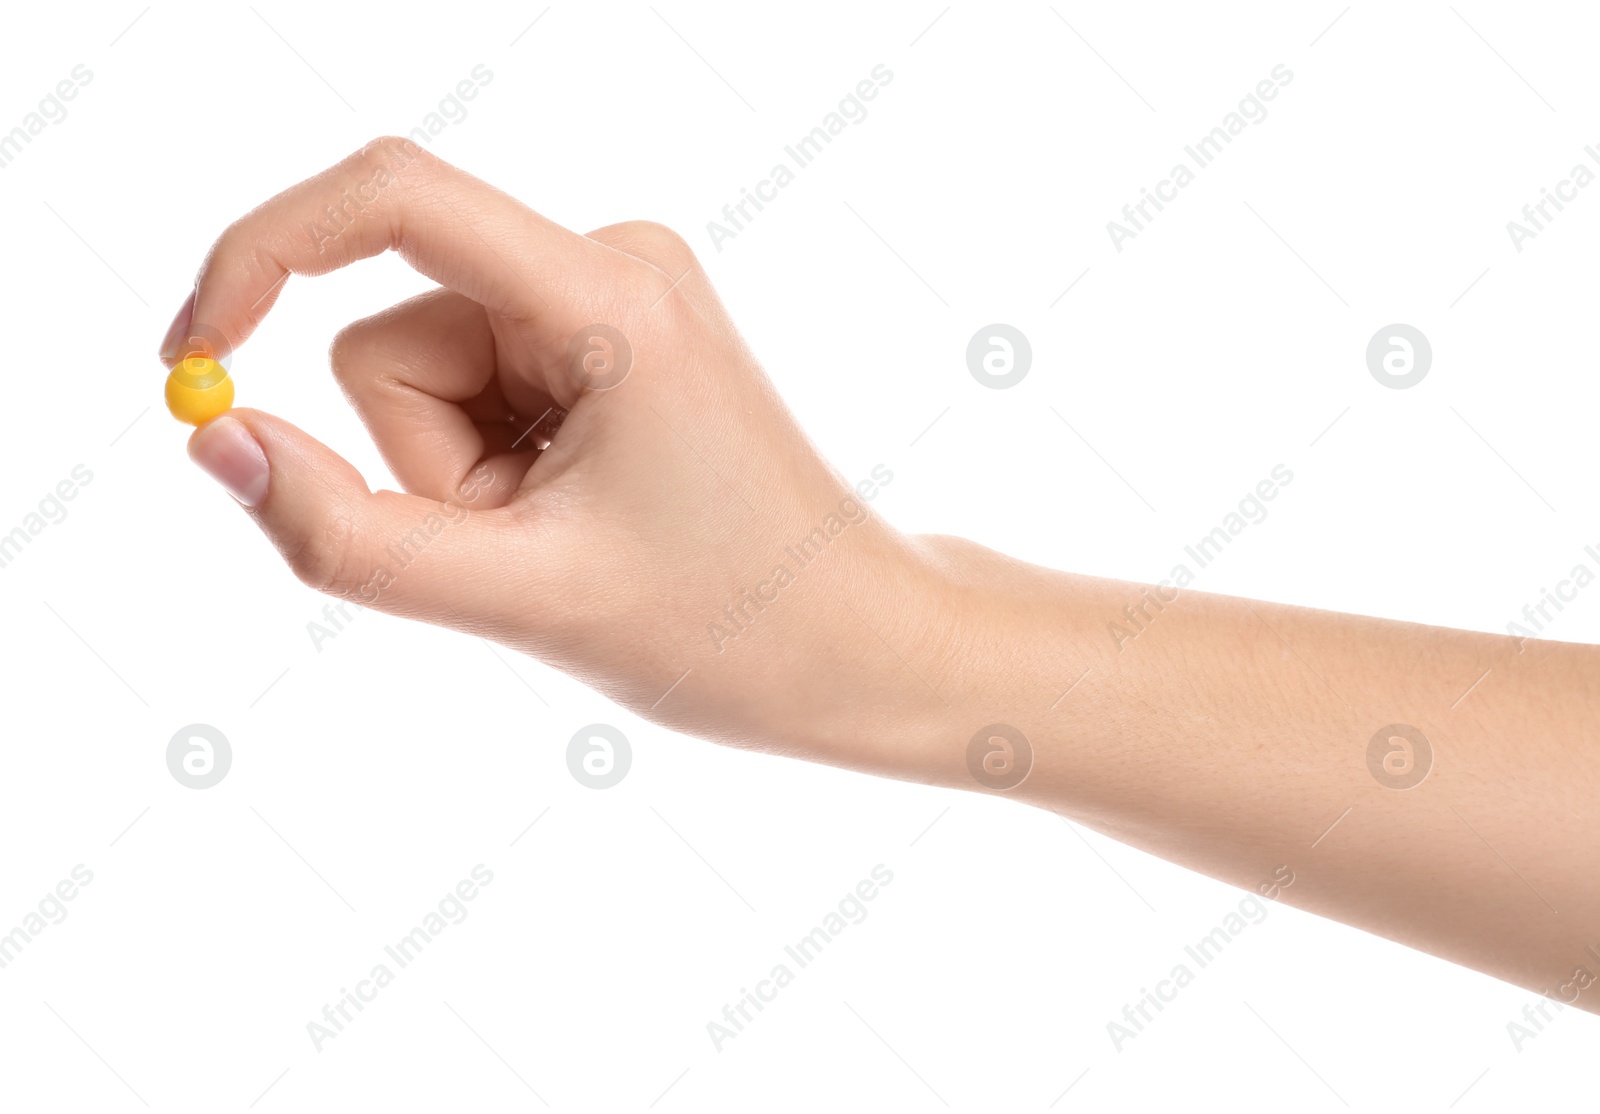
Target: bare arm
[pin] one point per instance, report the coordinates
(1237, 738)
(598, 473)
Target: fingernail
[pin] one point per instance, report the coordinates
(177, 330)
(225, 449)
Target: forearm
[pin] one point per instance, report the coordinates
(1235, 738)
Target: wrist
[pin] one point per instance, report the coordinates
(933, 640)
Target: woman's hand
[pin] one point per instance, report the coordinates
(596, 470)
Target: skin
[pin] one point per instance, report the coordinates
(1230, 736)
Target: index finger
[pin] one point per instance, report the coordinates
(456, 229)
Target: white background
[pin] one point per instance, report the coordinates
(371, 775)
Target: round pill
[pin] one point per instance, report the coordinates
(198, 390)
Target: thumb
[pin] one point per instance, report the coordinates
(399, 553)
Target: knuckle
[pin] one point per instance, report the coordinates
(230, 240)
(387, 151)
(669, 247)
(387, 163)
(353, 347)
(653, 243)
(236, 247)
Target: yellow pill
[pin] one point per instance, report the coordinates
(198, 390)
